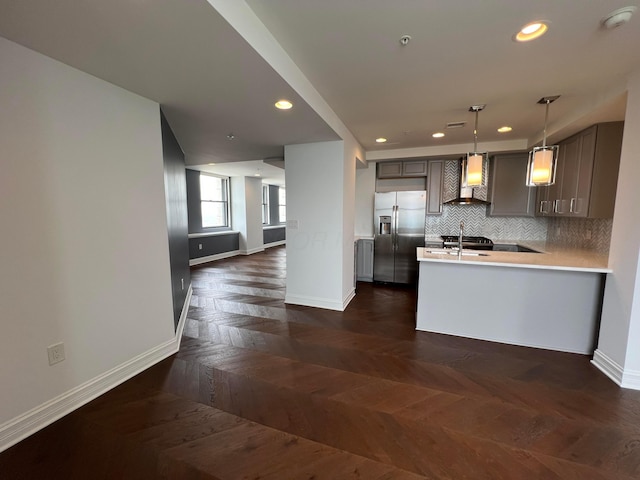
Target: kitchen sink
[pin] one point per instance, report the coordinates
(509, 247)
(465, 253)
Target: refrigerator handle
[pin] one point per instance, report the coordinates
(395, 227)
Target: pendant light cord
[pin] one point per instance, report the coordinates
(546, 117)
(475, 135)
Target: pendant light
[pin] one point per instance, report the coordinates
(541, 169)
(473, 163)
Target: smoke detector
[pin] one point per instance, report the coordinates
(618, 17)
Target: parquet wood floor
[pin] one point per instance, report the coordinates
(264, 390)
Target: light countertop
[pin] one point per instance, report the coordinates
(550, 258)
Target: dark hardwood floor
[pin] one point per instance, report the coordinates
(260, 390)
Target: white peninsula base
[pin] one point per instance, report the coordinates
(544, 308)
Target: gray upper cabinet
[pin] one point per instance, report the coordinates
(587, 174)
(435, 186)
(389, 169)
(413, 168)
(509, 195)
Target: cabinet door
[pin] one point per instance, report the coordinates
(544, 207)
(414, 169)
(554, 191)
(389, 169)
(571, 164)
(435, 182)
(364, 264)
(510, 196)
(579, 204)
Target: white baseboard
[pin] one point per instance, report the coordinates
(211, 258)
(183, 316)
(252, 251)
(347, 299)
(37, 418)
(625, 378)
(275, 244)
(314, 302)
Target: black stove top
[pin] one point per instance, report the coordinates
(477, 243)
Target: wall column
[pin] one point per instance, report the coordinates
(320, 216)
(246, 213)
(618, 352)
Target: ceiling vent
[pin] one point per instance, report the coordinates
(456, 124)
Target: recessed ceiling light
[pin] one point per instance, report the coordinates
(284, 104)
(531, 31)
(381, 140)
(256, 174)
(505, 129)
(212, 164)
(438, 135)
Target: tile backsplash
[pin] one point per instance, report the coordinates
(475, 216)
(452, 180)
(588, 233)
(477, 223)
(584, 233)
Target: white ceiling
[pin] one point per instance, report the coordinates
(269, 174)
(210, 82)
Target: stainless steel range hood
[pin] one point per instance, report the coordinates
(465, 195)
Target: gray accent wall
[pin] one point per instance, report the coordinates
(208, 245)
(271, 235)
(177, 223)
(213, 245)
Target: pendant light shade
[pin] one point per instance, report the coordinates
(473, 164)
(541, 169)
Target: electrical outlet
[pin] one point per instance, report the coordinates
(56, 353)
(587, 235)
(199, 246)
(182, 283)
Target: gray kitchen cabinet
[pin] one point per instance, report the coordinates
(509, 195)
(414, 168)
(595, 196)
(389, 169)
(364, 260)
(400, 169)
(548, 197)
(435, 186)
(586, 176)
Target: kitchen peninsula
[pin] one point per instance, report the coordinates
(548, 300)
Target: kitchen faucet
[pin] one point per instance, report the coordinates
(460, 238)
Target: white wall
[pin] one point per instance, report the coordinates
(618, 351)
(316, 260)
(365, 193)
(246, 213)
(85, 257)
(352, 152)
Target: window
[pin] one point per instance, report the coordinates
(214, 201)
(282, 205)
(265, 204)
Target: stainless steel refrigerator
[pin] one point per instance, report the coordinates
(399, 229)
